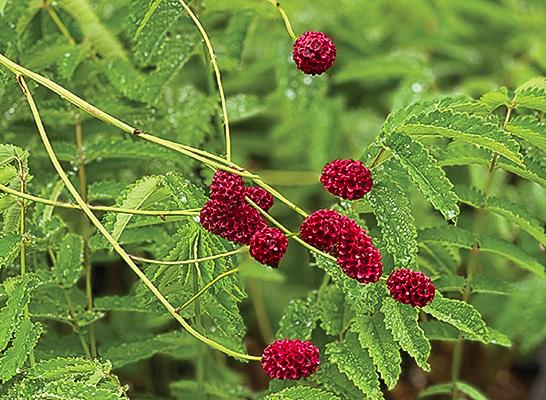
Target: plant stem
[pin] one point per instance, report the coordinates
(84, 231)
(206, 158)
(206, 287)
(117, 247)
(160, 213)
(479, 221)
(23, 250)
(223, 102)
(184, 262)
(57, 20)
(264, 325)
(285, 18)
(287, 232)
(75, 327)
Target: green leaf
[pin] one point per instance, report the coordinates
(355, 362)
(299, 319)
(490, 244)
(438, 330)
(61, 368)
(302, 393)
(401, 320)
(128, 352)
(449, 236)
(125, 148)
(384, 351)
(496, 98)
(424, 171)
(394, 218)
(530, 129)
(69, 261)
(460, 314)
(466, 127)
(330, 308)
(25, 340)
(446, 388)
(136, 196)
(78, 391)
(329, 377)
(9, 247)
(18, 298)
(532, 94)
(460, 153)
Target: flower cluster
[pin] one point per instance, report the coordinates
(314, 53)
(228, 215)
(348, 179)
(290, 359)
(341, 236)
(411, 287)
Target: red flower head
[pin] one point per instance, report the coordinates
(322, 229)
(348, 179)
(227, 188)
(268, 246)
(314, 53)
(260, 196)
(411, 287)
(237, 224)
(290, 359)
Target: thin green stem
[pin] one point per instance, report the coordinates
(62, 27)
(23, 250)
(84, 231)
(287, 232)
(217, 74)
(74, 325)
(279, 196)
(160, 213)
(184, 262)
(207, 287)
(264, 326)
(285, 18)
(206, 158)
(479, 221)
(117, 247)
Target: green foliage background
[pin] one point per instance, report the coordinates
(423, 63)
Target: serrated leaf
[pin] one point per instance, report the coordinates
(329, 377)
(67, 389)
(532, 94)
(446, 388)
(460, 314)
(466, 127)
(299, 319)
(190, 389)
(530, 129)
(69, 261)
(384, 351)
(401, 320)
(9, 247)
(104, 190)
(438, 330)
(425, 173)
(18, 298)
(136, 196)
(449, 236)
(302, 393)
(496, 98)
(490, 244)
(15, 356)
(460, 153)
(355, 362)
(125, 148)
(128, 352)
(60, 368)
(394, 218)
(330, 308)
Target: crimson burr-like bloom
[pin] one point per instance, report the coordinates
(290, 359)
(238, 223)
(348, 179)
(411, 287)
(260, 196)
(356, 254)
(227, 188)
(314, 53)
(268, 246)
(322, 229)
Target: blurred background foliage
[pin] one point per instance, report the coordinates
(286, 126)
